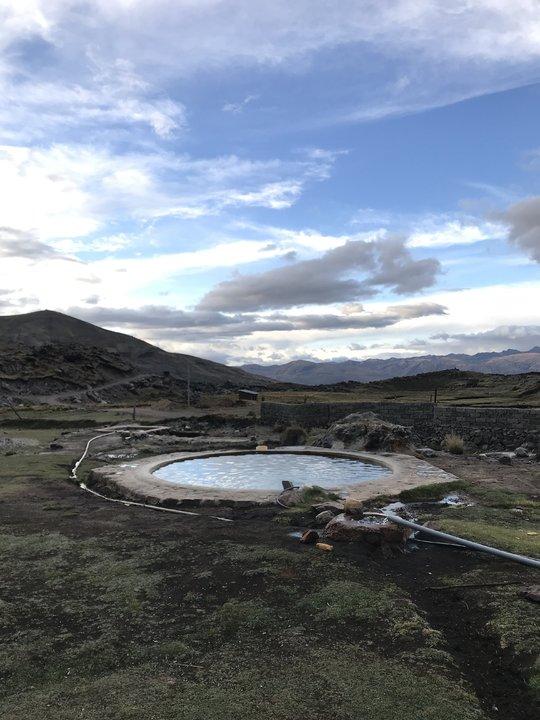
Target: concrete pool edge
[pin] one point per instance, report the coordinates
(136, 480)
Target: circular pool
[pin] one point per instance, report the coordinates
(266, 471)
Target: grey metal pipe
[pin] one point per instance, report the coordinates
(523, 559)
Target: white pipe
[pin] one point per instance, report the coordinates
(523, 559)
(152, 507)
(82, 485)
(73, 475)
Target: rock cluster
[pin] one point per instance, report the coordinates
(365, 431)
(346, 523)
(344, 528)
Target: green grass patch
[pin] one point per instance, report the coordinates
(519, 539)
(61, 591)
(497, 498)
(433, 492)
(341, 683)
(382, 606)
(248, 616)
(47, 466)
(314, 493)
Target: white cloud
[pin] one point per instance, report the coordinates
(509, 305)
(238, 107)
(34, 108)
(71, 191)
(277, 195)
(310, 239)
(46, 191)
(487, 30)
(59, 283)
(454, 233)
(475, 47)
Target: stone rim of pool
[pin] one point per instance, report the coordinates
(136, 480)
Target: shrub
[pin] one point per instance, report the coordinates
(453, 443)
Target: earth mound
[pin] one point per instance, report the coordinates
(365, 431)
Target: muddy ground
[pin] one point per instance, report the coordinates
(122, 613)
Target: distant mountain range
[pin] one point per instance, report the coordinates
(306, 372)
(50, 355)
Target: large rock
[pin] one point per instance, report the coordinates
(426, 452)
(343, 528)
(332, 505)
(324, 517)
(309, 537)
(291, 497)
(365, 431)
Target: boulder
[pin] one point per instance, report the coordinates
(309, 537)
(324, 517)
(521, 452)
(324, 546)
(365, 431)
(291, 497)
(334, 507)
(426, 452)
(346, 529)
(353, 508)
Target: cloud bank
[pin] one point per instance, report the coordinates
(200, 325)
(523, 219)
(386, 263)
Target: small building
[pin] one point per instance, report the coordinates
(248, 395)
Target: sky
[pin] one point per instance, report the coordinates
(264, 182)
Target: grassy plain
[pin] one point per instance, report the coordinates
(116, 613)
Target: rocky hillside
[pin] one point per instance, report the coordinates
(508, 362)
(48, 354)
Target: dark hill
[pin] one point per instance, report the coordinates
(48, 353)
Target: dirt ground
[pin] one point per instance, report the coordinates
(520, 477)
(116, 613)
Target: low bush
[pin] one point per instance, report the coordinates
(453, 443)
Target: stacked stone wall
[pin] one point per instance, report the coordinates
(485, 428)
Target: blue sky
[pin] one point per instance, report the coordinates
(264, 182)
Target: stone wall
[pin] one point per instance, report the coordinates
(485, 428)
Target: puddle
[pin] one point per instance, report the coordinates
(393, 507)
(451, 500)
